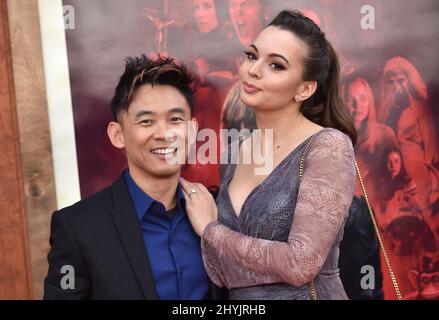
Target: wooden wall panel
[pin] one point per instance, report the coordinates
(34, 133)
(15, 270)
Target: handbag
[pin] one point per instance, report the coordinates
(312, 287)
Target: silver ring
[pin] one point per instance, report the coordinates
(193, 191)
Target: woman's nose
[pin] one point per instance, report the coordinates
(354, 104)
(254, 70)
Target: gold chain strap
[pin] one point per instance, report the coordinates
(383, 249)
(312, 287)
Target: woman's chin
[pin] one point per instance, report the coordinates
(250, 100)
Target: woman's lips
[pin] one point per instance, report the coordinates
(250, 88)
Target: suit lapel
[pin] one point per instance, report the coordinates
(125, 219)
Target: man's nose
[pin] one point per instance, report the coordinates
(238, 10)
(399, 87)
(199, 13)
(396, 87)
(160, 130)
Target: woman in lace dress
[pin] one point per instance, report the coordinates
(277, 236)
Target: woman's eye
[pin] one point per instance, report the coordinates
(250, 55)
(277, 66)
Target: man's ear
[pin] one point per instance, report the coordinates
(115, 133)
(305, 90)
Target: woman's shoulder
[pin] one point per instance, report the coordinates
(332, 138)
(330, 144)
(331, 157)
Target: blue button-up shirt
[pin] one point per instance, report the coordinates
(173, 247)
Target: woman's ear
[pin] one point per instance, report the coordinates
(115, 133)
(305, 90)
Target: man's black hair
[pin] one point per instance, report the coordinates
(143, 70)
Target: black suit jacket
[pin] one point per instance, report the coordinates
(101, 239)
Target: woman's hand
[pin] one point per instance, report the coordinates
(200, 205)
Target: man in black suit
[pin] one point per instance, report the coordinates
(133, 240)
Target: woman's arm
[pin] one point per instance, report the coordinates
(325, 195)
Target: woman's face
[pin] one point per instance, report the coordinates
(272, 71)
(246, 19)
(393, 164)
(205, 15)
(357, 101)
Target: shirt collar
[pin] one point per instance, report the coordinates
(142, 201)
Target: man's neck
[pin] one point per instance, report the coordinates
(162, 189)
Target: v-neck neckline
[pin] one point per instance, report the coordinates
(259, 185)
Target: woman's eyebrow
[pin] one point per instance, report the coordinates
(271, 54)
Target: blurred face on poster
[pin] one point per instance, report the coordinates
(397, 84)
(144, 131)
(357, 101)
(393, 164)
(246, 19)
(205, 15)
(271, 74)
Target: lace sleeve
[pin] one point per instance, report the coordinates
(324, 197)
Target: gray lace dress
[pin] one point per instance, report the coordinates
(288, 232)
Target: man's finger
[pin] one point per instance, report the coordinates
(186, 195)
(202, 188)
(185, 186)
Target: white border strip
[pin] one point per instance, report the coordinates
(62, 132)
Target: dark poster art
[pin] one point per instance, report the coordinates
(390, 84)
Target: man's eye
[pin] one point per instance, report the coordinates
(250, 55)
(277, 66)
(146, 122)
(176, 119)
